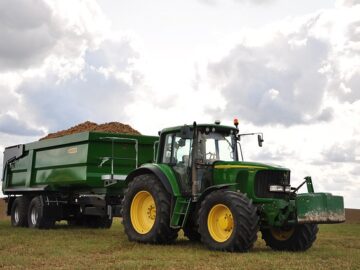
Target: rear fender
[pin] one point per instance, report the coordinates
(209, 190)
(163, 172)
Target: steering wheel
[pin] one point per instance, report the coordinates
(211, 155)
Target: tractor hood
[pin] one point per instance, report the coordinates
(247, 165)
(252, 178)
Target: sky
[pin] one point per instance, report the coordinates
(289, 71)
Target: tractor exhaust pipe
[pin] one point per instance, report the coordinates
(195, 187)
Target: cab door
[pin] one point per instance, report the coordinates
(177, 154)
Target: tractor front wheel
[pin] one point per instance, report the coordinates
(292, 238)
(228, 221)
(146, 211)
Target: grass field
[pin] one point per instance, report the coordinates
(337, 247)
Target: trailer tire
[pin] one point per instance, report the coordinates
(36, 215)
(19, 210)
(146, 211)
(296, 238)
(228, 221)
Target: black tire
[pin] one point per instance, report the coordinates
(37, 217)
(191, 227)
(105, 223)
(19, 210)
(90, 222)
(160, 232)
(296, 238)
(76, 222)
(98, 222)
(243, 221)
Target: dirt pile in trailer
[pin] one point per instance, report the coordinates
(111, 127)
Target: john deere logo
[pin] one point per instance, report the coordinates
(72, 150)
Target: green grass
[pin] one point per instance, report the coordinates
(337, 247)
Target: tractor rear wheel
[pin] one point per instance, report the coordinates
(294, 238)
(146, 211)
(19, 211)
(228, 221)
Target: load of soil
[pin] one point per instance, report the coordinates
(112, 127)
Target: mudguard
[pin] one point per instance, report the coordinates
(164, 174)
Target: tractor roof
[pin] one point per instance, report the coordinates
(212, 125)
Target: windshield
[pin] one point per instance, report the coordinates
(217, 146)
(212, 146)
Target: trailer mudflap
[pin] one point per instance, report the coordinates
(319, 208)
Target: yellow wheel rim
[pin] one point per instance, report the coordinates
(220, 223)
(282, 235)
(143, 212)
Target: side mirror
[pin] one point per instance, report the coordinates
(185, 132)
(260, 140)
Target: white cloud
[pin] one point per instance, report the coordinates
(343, 152)
(97, 93)
(61, 66)
(299, 84)
(18, 26)
(303, 64)
(11, 124)
(348, 2)
(256, 2)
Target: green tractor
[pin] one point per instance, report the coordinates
(198, 184)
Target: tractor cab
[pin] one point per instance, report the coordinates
(192, 152)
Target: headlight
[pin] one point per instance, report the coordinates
(288, 189)
(276, 188)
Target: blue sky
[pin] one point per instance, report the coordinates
(291, 71)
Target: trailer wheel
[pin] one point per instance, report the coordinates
(146, 211)
(228, 221)
(295, 238)
(19, 211)
(36, 217)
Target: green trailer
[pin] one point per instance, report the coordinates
(79, 177)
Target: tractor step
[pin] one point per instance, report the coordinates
(179, 215)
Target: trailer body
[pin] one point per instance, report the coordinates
(86, 168)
